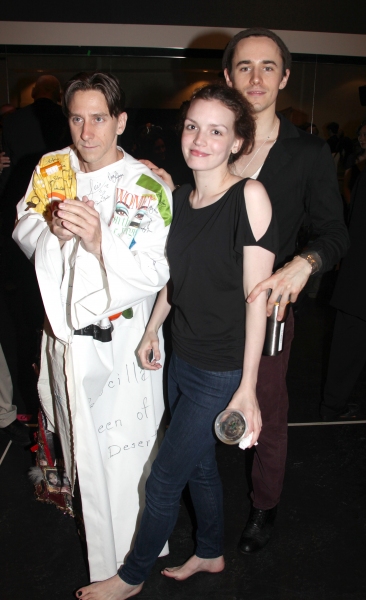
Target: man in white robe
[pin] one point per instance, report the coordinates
(95, 222)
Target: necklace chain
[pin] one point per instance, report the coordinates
(260, 148)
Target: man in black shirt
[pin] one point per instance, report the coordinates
(298, 172)
(348, 350)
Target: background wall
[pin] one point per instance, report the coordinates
(298, 15)
(328, 91)
(161, 51)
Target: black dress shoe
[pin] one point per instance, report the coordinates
(258, 530)
(17, 432)
(349, 413)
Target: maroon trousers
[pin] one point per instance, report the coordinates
(270, 455)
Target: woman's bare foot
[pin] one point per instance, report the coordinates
(110, 589)
(195, 565)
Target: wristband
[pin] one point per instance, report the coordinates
(314, 261)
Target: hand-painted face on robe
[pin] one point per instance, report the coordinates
(131, 215)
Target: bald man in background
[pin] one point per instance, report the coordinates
(5, 109)
(27, 134)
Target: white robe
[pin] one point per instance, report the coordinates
(107, 411)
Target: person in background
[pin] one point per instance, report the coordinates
(5, 109)
(348, 349)
(356, 164)
(340, 146)
(10, 395)
(333, 138)
(159, 150)
(310, 128)
(28, 133)
(10, 427)
(163, 150)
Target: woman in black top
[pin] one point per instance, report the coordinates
(221, 244)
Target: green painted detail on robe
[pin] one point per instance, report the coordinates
(163, 203)
(128, 313)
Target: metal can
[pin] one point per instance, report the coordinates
(273, 342)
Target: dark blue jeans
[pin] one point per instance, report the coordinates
(187, 454)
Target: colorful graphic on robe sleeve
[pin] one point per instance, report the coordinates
(134, 212)
(53, 181)
(163, 203)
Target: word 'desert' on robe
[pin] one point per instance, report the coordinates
(107, 411)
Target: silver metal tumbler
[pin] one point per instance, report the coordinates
(273, 342)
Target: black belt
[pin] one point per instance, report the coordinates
(97, 333)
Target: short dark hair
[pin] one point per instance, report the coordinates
(227, 59)
(106, 83)
(360, 127)
(333, 127)
(244, 124)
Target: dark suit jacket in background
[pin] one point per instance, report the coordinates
(350, 290)
(28, 134)
(300, 178)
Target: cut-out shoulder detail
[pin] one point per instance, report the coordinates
(206, 250)
(259, 208)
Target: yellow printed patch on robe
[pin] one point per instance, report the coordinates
(53, 181)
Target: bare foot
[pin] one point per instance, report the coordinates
(195, 565)
(110, 589)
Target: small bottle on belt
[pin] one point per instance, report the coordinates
(273, 342)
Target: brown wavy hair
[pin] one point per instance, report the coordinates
(244, 123)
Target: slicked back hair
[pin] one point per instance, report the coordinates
(227, 59)
(244, 123)
(105, 83)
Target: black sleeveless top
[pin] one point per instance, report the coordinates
(205, 252)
